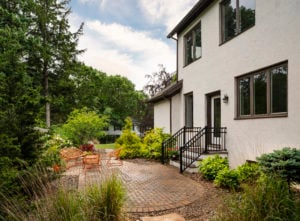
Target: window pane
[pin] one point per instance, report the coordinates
(217, 117)
(247, 13)
(279, 89)
(228, 19)
(245, 96)
(198, 49)
(188, 48)
(260, 93)
(189, 110)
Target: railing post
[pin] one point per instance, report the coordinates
(180, 159)
(206, 139)
(184, 139)
(162, 153)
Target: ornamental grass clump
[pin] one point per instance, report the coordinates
(50, 201)
(269, 199)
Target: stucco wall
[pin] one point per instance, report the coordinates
(176, 113)
(274, 38)
(162, 115)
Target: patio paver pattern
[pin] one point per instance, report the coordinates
(150, 186)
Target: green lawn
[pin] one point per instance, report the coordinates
(106, 146)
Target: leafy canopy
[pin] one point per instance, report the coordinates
(84, 125)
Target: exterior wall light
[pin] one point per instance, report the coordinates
(225, 99)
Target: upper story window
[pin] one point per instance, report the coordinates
(193, 47)
(263, 93)
(236, 17)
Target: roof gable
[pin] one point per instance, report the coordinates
(200, 6)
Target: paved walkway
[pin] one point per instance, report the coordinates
(150, 185)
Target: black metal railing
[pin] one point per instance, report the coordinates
(208, 139)
(173, 144)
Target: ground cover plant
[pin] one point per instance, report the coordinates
(269, 199)
(210, 166)
(227, 178)
(266, 193)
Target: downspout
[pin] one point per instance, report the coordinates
(170, 100)
(176, 81)
(176, 57)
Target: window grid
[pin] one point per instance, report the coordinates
(246, 104)
(193, 45)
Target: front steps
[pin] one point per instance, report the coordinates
(193, 168)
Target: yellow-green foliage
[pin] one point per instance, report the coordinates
(153, 143)
(129, 141)
(227, 178)
(210, 166)
(84, 125)
(249, 172)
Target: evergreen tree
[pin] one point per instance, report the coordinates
(53, 48)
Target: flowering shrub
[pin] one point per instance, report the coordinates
(87, 147)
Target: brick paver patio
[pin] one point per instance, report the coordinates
(150, 185)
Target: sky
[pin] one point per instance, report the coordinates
(128, 37)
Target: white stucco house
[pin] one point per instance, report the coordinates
(238, 66)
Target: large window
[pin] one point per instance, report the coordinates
(263, 93)
(189, 110)
(193, 47)
(236, 17)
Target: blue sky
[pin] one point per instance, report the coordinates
(128, 37)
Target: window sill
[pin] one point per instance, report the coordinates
(261, 116)
(192, 62)
(225, 41)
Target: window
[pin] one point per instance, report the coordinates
(236, 17)
(263, 93)
(193, 48)
(189, 110)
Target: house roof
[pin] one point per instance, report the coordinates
(200, 6)
(169, 91)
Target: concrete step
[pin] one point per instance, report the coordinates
(193, 168)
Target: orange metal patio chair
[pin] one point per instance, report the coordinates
(114, 158)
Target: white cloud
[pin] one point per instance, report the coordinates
(167, 12)
(118, 49)
(87, 1)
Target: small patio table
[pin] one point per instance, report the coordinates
(91, 161)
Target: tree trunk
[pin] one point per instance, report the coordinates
(46, 94)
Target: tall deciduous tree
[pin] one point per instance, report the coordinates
(158, 81)
(53, 46)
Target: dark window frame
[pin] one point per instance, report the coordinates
(238, 29)
(268, 114)
(192, 32)
(190, 95)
